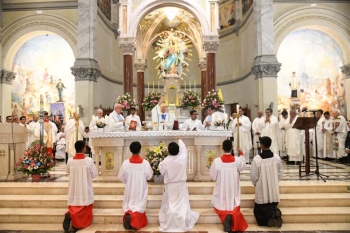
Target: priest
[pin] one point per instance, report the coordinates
(49, 136)
(225, 171)
(116, 119)
(132, 121)
(282, 135)
(71, 133)
(165, 119)
(134, 173)
(192, 124)
(175, 213)
(269, 127)
(81, 171)
(212, 119)
(340, 131)
(95, 119)
(265, 173)
(319, 135)
(242, 127)
(294, 139)
(32, 126)
(156, 110)
(256, 131)
(327, 127)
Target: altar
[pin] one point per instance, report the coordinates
(203, 147)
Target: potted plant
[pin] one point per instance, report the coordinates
(212, 99)
(35, 161)
(154, 156)
(189, 100)
(100, 124)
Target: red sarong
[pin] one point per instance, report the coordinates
(138, 220)
(238, 221)
(81, 216)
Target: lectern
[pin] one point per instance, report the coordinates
(305, 123)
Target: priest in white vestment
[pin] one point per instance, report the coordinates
(256, 131)
(340, 130)
(81, 171)
(95, 119)
(222, 113)
(165, 119)
(49, 137)
(265, 173)
(269, 127)
(282, 135)
(192, 124)
(327, 128)
(319, 135)
(32, 126)
(294, 139)
(175, 213)
(61, 144)
(156, 110)
(245, 136)
(134, 173)
(212, 118)
(133, 121)
(116, 119)
(70, 132)
(225, 171)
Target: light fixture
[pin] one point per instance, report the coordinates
(39, 12)
(171, 12)
(314, 4)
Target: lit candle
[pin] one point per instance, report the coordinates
(237, 108)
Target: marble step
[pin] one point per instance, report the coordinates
(154, 201)
(195, 188)
(212, 228)
(207, 215)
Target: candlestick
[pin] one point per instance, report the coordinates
(185, 85)
(194, 86)
(153, 87)
(158, 86)
(41, 101)
(148, 87)
(190, 84)
(237, 108)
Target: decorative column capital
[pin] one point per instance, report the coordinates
(266, 66)
(345, 69)
(127, 45)
(202, 63)
(140, 65)
(86, 70)
(7, 76)
(211, 43)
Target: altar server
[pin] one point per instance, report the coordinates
(32, 126)
(61, 145)
(245, 136)
(116, 119)
(71, 134)
(319, 135)
(81, 171)
(256, 131)
(339, 131)
(227, 191)
(294, 138)
(265, 173)
(175, 213)
(165, 119)
(134, 173)
(327, 128)
(212, 118)
(282, 135)
(269, 127)
(192, 124)
(132, 121)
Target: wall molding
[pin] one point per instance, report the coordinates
(34, 6)
(223, 83)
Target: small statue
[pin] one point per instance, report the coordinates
(294, 85)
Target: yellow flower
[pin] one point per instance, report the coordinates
(162, 145)
(157, 150)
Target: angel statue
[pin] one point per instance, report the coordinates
(172, 53)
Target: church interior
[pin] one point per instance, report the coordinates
(73, 58)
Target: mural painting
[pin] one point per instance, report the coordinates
(227, 14)
(105, 7)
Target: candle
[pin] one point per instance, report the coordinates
(77, 111)
(41, 99)
(158, 86)
(185, 85)
(153, 87)
(194, 86)
(190, 84)
(237, 108)
(148, 87)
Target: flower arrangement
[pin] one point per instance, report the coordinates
(189, 99)
(155, 155)
(212, 99)
(35, 160)
(218, 122)
(126, 101)
(100, 123)
(151, 100)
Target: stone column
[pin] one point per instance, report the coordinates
(86, 69)
(6, 78)
(211, 45)
(140, 65)
(204, 90)
(128, 51)
(346, 71)
(265, 66)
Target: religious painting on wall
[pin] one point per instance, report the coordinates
(43, 69)
(315, 57)
(227, 16)
(246, 4)
(105, 7)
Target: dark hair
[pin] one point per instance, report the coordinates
(79, 146)
(212, 107)
(135, 147)
(284, 113)
(132, 108)
(46, 113)
(266, 141)
(227, 145)
(320, 111)
(326, 113)
(87, 127)
(22, 117)
(8, 117)
(192, 111)
(173, 148)
(269, 109)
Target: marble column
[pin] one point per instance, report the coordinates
(265, 66)
(346, 71)
(204, 90)
(86, 69)
(6, 78)
(128, 51)
(140, 65)
(210, 48)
